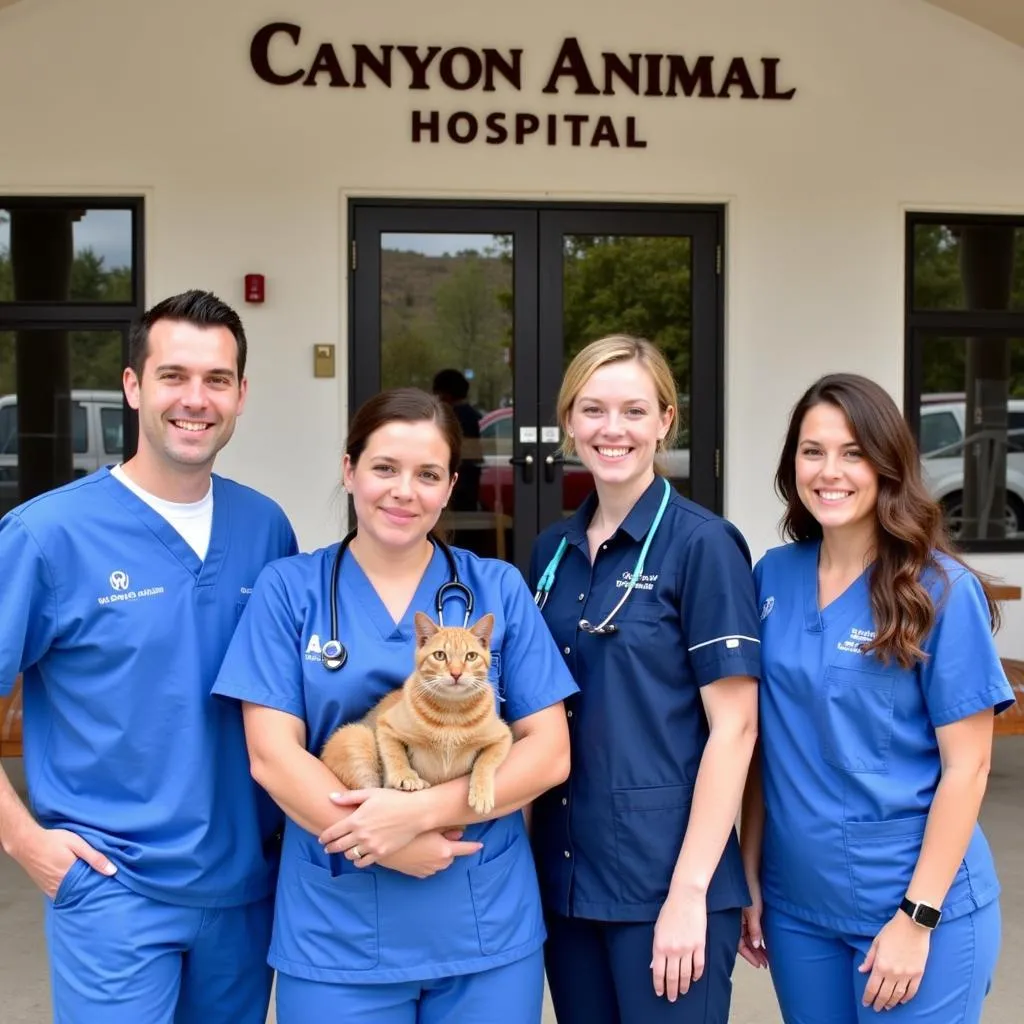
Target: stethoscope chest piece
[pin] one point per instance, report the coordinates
(333, 654)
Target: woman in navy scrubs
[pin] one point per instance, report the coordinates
(411, 925)
(651, 602)
(860, 830)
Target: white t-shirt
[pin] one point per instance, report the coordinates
(193, 520)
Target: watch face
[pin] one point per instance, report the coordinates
(928, 916)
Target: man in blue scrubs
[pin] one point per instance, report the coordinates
(154, 849)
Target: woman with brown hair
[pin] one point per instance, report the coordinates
(383, 914)
(860, 829)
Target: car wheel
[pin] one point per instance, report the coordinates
(953, 507)
(1014, 516)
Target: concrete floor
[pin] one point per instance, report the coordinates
(25, 996)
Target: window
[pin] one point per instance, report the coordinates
(496, 432)
(8, 430)
(79, 428)
(71, 284)
(938, 430)
(112, 424)
(98, 238)
(965, 387)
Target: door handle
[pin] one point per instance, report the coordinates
(550, 461)
(526, 461)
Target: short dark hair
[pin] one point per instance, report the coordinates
(404, 405)
(196, 307)
(451, 382)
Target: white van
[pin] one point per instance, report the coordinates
(97, 437)
(943, 425)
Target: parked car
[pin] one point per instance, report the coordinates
(942, 443)
(496, 478)
(97, 437)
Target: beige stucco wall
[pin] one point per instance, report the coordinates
(899, 106)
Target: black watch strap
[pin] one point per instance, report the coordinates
(921, 913)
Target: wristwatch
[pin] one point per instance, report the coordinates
(921, 913)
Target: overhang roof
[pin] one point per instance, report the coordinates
(1003, 17)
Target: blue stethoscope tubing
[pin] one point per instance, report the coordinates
(334, 654)
(606, 627)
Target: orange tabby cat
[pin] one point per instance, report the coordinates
(440, 724)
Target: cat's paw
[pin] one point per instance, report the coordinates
(410, 783)
(481, 796)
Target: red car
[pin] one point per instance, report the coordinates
(496, 476)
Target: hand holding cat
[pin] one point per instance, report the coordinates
(385, 821)
(430, 853)
(680, 937)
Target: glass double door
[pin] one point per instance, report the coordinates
(486, 306)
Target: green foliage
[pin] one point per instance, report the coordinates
(96, 356)
(630, 285)
(457, 310)
(447, 311)
(938, 285)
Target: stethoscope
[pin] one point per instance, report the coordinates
(333, 654)
(606, 627)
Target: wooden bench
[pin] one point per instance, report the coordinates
(1011, 722)
(10, 722)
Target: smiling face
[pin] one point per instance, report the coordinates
(188, 398)
(400, 483)
(835, 482)
(616, 424)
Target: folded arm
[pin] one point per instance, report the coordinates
(538, 760)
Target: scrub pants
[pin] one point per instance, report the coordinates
(512, 994)
(600, 973)
(120, 958)
(815, 974)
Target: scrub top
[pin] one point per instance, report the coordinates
(119, 630)
(334, 922)
(850, 759)
(607, 840)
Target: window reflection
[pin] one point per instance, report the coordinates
(969, 266)
(638, 285)
(446, 327)
(63, 253)
(971, 430)
(61, 408)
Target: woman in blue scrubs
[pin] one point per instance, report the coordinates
(860, 829)
(383, 913)
(651, 602)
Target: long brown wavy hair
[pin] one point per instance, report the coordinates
(910, 531)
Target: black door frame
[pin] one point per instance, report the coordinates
(369, 221)
(88, 316)
(537, 230)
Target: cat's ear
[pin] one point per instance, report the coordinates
(482, 630)
(425, 628)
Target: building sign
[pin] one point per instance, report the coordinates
(279, 57)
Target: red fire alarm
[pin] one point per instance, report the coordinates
(254, 288)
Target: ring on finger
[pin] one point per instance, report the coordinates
(357, 852)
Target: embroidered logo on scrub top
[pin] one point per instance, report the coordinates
(119, 583)
(857, 638)
(313, 648)
(767, 607)
(644, 583)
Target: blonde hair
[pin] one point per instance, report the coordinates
(617, 348)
